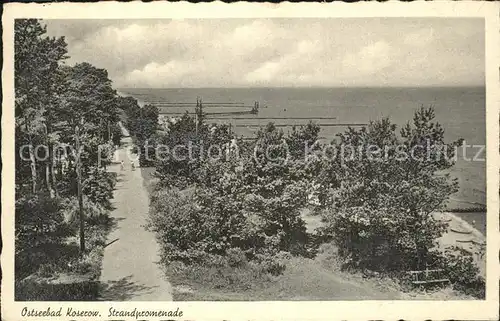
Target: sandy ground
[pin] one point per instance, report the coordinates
(464, 235)
(130, 268)
(459, 233)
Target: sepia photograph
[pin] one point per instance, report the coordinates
(264, 158)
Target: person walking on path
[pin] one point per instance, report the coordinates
(122, 165)
(130, 269)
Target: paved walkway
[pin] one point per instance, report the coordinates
(130, 270)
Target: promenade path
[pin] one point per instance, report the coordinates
(130, 271)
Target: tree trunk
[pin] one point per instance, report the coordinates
(32, 157)
(50, 174)
(47, 178)
(80, 193)
(52, 171)
(33, 168)
(60, 169)
(47, 163)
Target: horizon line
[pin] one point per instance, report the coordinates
(311, 87)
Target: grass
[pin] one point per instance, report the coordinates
(148, 178)
(71, 288)
(65, 274)
(303, 279)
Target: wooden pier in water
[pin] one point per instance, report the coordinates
(200, 110)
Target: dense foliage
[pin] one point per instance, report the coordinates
(53, 100)
(380, 211)
(246, 206)
(142, 124)
(183, 158)
(56, 107)
(39, 222)
(231, 201)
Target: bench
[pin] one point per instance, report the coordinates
(427, 276)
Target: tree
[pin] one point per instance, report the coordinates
(380, 207)
(131, 110)
(90, 102)
(177, 167)
(246, 198)
(37, 86)
(90, 106)
(56, 107)
(302, 139)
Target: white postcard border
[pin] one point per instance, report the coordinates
(302, 310)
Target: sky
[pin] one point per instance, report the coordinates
(292, 52)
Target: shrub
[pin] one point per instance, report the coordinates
(39, 225)
(117, 134)
(45, 227)
(245, 208)
(273, 263)
(38, 221)
(195, 227)
(328, 256)
(89, 264)
(190, 165)
(95, 214)
(236, 257)
(189, 224)
(99, 186)
(380, 209)
(461, 269)
(273, 189)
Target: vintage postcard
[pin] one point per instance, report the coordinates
(178, 161)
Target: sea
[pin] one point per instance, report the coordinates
(460, 110)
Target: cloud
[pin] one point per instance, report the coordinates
(371, 58)
(420, 38)
(250, 37)
(279, 52)
(160, 75)
(289, 68)
(124, 48)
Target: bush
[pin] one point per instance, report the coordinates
(238, 212)
(273, 263)
(328, 255)
(380, 209)
(243, 208)
(195, 228)
(187, 230)
(236, 257)
(95, 214)
(382, 239)
(45, 237)
(461, 269)
(117, 134)
(39, 224)
(99, 186)
(190, 167)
